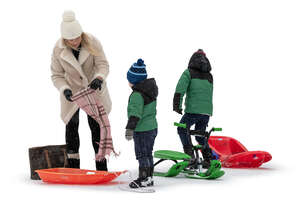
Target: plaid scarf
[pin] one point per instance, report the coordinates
(87, 100)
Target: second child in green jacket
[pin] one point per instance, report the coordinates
(142, 124)
(196, 83)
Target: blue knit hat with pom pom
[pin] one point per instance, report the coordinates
(137, 72)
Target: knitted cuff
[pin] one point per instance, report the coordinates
(132, 122)
(176, 102)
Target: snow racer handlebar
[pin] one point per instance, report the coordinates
(192, 132)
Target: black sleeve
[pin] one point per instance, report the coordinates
(176, 101)
(132, 122)
(211, 78)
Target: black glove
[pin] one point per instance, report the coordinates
(96, 83)
(179, 111)
(68, 94)
(176, 101)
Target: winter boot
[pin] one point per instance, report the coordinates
(151, 169)
(188, 149)
(144, 180)
(206, 164)
(101, 165)
(74, 163)
(207, 156)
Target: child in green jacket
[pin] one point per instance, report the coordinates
(196, 83)
(142, 124)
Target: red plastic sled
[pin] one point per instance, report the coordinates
(233, 154)
(76, 176)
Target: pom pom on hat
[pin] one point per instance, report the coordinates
(70, 27)
(200, 51)
(140, 62)
(68, 16)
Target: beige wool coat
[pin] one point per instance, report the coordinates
(68, 73)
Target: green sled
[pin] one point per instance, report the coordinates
(212, 173)
(174, 156)
(171, 155)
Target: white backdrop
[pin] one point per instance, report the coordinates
(253, 47)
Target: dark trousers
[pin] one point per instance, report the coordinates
(143, 145)
(72, 136)
(199, 120)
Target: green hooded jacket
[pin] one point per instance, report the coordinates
(141, 108)
(198, 90)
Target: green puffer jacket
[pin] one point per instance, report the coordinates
(198, 88)
(141, 108)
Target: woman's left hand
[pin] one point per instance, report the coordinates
(96, 83)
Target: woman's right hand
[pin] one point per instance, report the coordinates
(95, 84)
(68, 94)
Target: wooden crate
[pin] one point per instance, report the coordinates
(51, 156)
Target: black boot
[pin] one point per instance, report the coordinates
(188, 149)
(151, 169)
(74, 163)
(101, 165)
(207, 156)
(206, 164)
(144, 180)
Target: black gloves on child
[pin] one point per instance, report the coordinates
(176, 103)
(95, 84)
(179, 111)
(68, 94)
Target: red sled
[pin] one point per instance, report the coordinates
(233, 154)
(76, 176)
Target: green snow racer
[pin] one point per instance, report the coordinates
(183, 161)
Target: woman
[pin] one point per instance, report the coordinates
(78, 61)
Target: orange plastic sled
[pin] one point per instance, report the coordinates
(233, 154)
(76, 176)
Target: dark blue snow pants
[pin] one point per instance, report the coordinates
(143, 145)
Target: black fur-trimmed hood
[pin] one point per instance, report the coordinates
(148, 89)
(200, 62)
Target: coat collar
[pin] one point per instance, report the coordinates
(68, 56)
(83, 55)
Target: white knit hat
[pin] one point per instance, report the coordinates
(70, 27)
